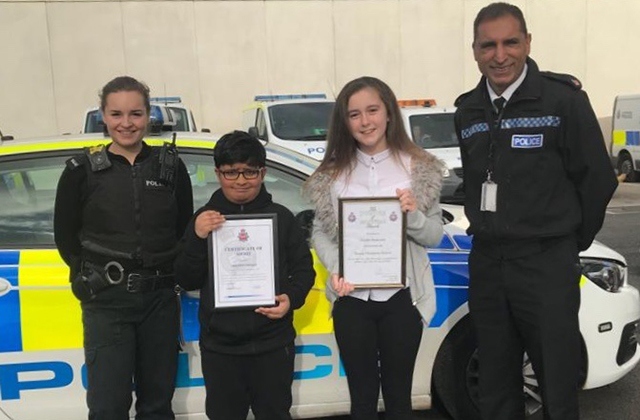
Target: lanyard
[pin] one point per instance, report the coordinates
(494, 128)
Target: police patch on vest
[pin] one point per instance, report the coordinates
(154, 184)
(526, 141)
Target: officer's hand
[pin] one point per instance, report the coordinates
(407, 200)
(276, 312)
(208, 221)
(341, 286)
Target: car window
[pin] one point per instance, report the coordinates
(433, 131)
(301, 121)
(282, 183)
(28, 190)
(180, 118)
(27, 194)
(261, 125)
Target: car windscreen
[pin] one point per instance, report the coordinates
(433, 131)
(301, 121)
(93, 122)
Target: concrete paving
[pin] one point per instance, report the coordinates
(627, 194)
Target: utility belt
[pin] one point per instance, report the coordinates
(94, 278)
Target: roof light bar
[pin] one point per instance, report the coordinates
(271, 98)
(166, 99)
(417, 102)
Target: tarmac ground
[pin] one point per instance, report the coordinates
(627, 194)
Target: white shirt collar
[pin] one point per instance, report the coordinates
(508, 92)
(368, 160)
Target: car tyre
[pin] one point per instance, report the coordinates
(455, 377)
(625, 166)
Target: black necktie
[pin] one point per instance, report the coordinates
(499, 103)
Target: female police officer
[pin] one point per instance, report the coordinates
(119, 213)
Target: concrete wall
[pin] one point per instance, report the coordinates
(217, 54)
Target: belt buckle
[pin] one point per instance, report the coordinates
(131, 278)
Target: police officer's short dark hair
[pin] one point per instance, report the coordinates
(239, 147)
(125, 84)
(498, 10)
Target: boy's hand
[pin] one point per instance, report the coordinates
(341, 286)
(276, 312)
(206, 222)
(407, 200)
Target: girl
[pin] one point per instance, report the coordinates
(378, 331)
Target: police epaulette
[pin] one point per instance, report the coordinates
(462, 97)
(567, 79)
(75, 162)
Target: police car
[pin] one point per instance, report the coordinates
(432, 128)
(167, 114)
(298, 122)
(42, 373)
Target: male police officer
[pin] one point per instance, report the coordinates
(537, 182)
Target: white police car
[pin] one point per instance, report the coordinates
(42, 373)
(298, 122)
(167, 114)
(432, 128)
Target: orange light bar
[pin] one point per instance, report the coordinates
(417, 102)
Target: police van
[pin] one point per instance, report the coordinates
(167, 114)
(42, 371)
(432, 128)
(625, 136)
(298, 122)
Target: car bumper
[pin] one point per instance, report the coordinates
(610, 336)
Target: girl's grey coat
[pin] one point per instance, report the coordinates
(424, 228)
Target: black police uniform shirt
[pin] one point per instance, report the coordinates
(550, 163)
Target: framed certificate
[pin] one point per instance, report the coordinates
(372, 241)
(243, 262)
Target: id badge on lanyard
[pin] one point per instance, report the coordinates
(489, 192)
(489, 196)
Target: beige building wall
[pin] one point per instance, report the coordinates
(217, 54)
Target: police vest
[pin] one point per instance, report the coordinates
(127, 209)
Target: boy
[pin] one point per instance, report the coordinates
(247, 354)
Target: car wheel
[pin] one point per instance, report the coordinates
(625, 166)
(455, 377)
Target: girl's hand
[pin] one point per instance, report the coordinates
(206, 222)
(407, 200)
(341, 287)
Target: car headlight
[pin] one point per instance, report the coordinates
(608, 275)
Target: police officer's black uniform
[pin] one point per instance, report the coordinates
(554, 181)
(126, 218)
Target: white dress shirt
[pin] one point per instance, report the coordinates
(373, 176)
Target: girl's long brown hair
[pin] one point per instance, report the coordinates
(341, 146)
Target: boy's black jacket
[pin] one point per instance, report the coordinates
(244, 331)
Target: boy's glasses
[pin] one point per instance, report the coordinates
(233, 174)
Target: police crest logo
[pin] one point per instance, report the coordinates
(527, 141)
